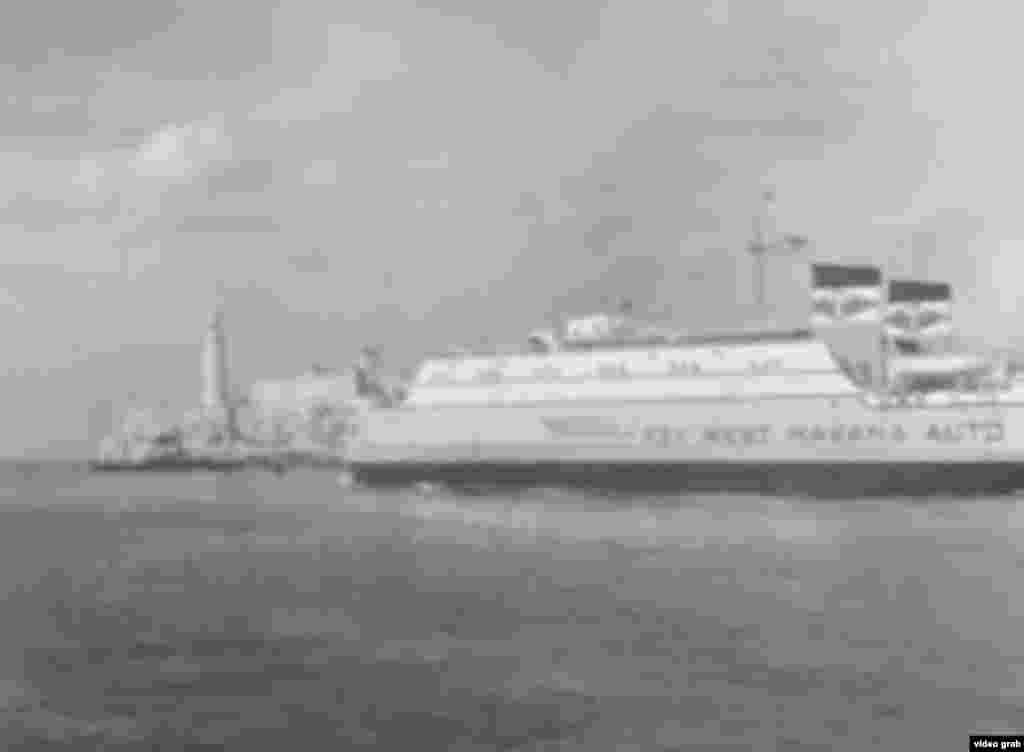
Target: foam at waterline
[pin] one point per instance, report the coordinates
(690, 522)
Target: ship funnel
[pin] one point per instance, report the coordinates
(846, 315)
(919, 315)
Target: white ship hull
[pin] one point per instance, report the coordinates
(845, 445)
(839, 409)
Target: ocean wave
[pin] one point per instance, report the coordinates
(693, 522)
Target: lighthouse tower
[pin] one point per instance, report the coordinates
(216, 398)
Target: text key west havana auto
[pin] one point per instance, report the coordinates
(872, 398)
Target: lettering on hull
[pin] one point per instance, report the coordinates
(845, 434)
(664, 436)
(990, 432)
(739, 436)
(736, 436)
(584, 428)
(733, 436)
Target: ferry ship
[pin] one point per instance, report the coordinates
(870, 398)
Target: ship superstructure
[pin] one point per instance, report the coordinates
(862, 401)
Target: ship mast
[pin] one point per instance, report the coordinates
(759, 245)
(757, 249)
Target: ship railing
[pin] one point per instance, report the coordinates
(646, 337)
(482, 351)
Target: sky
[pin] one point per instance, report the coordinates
(412, 174)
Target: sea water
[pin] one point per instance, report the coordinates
(250, 611)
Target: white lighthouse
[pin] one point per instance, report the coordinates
(216, 395)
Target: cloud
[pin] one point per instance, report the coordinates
(311, 262)
(503, 127)
(213, 223)
(241, 176)
(172, 153)
(39, 195)
(40, 214)
(83, 212)
(52, 28)
(89, 175)
(549, 35)
(10, 303)
(440, 162)
(321, 172)
(352, 58)
(179, 152)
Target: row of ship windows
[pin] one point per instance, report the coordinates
(608, 372)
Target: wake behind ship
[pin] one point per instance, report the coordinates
(871, 398)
